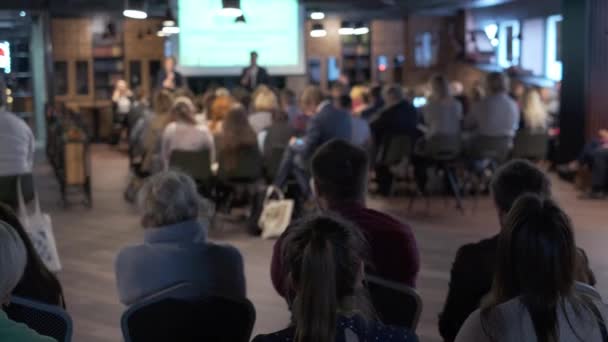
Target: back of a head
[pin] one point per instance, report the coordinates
(163, 101)
(237, 131)
(288, 97)
(393, 94)
(324, 256)
(265, 101)
(496, 83)
(311, 97)
(220, 107)
(339, 171)
(534, 111)
(536, 262)
(169, 198)
(359, 93)
(440, 87)
(345, 102)
(13, 258)
(516, 178)
(376, 93)
(183, 110)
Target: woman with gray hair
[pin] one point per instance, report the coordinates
(13, 258)
(175, 248)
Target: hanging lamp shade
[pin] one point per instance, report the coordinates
(135, 9)
(231, 8)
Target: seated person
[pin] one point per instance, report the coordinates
(339, 172)
(220, 106)
(534, 114)
(175, 247)
(599, 174)
(237, 138)
(37, 283)
(534, 296)
(289, 105)
(277, 135)
(184, 133)
(497, 114)
(327, 123)
(361, 135)
(16, 142)
(475, 264)
(147, 157)
(13, 260)
(397, 118)
(265, 103)
(376, 102)
(324, 272)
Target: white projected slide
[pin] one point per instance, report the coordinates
(212, 45)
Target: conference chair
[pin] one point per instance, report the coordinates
(392, 153)
(196, 164)
(531, 146)
(236, 185)
(8, 189)
(272, 162)
(395, 304)
(173, 316)
(47, 320)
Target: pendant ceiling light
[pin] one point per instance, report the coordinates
(169, 19)
(135, 9)
(360, 29)
(241, 19)
(346, 29)
(318, 31)
(231, 8)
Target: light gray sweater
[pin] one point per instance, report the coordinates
(175, 254)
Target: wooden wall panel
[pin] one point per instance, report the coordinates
(387, 40)
(143, 47)
(597, 112)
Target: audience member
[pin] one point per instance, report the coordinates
(327, 123)
(219, 108)
(17, 144)
(534, 296)
(254, 75)
(184, 134)
(359, 96)
(277, 135)
(516, 91)
(457, 90)
(376, 102)
(175, 247)
(140, 108)
(168, 78)
(37, 282)
(236, 138)
(122, 99)
(13, 261)
(496, 115)
(244, 96)
(265, 103)
(289, 105)
(152, 133)
(324, 272)
(475, 264)
(397, 118)
(361, 135)
(535, 118)
(340, 173)
(443, 113)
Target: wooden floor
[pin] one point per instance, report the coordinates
(89, 239)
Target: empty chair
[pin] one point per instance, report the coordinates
(196, 164)
(396, 304)
(493, 148)
(47, 320)
(211, 318)
(8, 189)
(532, 146)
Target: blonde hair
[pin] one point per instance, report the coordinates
(535, 114)
(13, 258)
(311, 97)
(219, 108)
(359, 93)
(265, 101)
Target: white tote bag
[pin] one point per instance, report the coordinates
(40, 230)
(276, 215)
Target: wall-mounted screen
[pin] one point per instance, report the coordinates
(211, 44)
(5, 56)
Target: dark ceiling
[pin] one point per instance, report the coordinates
(369, 8)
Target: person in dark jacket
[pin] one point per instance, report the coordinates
(168, 78)
(37, 283)
(399, 117)
(473, 269)
(254, 75)
(327, 123)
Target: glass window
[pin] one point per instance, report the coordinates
(426, 50)
(553, 59)
(61, 78)
(82, 77)
(509, 44)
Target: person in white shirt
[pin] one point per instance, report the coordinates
(496, 114)
(265, 103)
(17, 144)
(184, 134)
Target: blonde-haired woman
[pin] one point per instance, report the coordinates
(265, 103)
(359, 96)
(535, 117)
(184, 133)
(13, 258)
(219, 108)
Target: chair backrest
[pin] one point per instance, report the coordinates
(197, 164)
(45, 319)
(395, 149)
(532, 146)
(272, 162)
(248, 168)
(444, 147)
(8, 189)
(207, 318)
(396, 304)
(496, 148)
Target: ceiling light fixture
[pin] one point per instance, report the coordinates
(241, 19)
(361, 29)
(231, 8)
(169, 30)
(317, 15)
(169, 19)
(135, 9)
(346, 29)
(318, 31)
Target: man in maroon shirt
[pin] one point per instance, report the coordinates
(339, 177)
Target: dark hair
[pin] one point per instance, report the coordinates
(324, 259)
(516, 178)
(339, 170)
(236, 135)
(345, 102)
(37, 282)
(537, 260)
(376, 92)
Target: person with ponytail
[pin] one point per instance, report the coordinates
(535, 296)
(324, 271)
